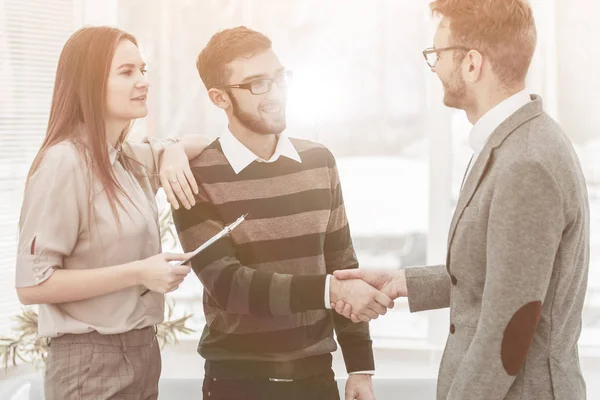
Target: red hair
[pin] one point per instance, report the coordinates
(501, 30)
(224, 47)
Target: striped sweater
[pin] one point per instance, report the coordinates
(264, 284)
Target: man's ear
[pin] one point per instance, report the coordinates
(473, 66)
(219, 98)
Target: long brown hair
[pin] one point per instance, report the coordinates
(79, 104)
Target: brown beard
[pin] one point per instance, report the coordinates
(254, 123)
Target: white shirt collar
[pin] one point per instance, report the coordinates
(239, 156)
(491, 120)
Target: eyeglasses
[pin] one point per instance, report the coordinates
(264, 85)
(432, 55)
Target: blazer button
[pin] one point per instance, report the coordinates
(453, 280)
(452, 329)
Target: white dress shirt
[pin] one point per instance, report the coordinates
(239, 156)
(491, 120)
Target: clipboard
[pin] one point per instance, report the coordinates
(224, 232)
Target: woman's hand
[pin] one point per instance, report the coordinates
(176, 176)
(156, 274)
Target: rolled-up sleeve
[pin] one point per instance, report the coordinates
(50, 216)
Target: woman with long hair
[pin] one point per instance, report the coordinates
(89, 241)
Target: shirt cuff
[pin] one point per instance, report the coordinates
(362, 373)
(327, 298)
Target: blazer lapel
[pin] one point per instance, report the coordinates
(483, 162)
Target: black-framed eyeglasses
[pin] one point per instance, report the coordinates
(264, 85)
(432, 55)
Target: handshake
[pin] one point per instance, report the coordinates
(363, 295)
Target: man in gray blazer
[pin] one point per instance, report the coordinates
(516, 270)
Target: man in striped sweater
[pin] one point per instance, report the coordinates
(268, 287)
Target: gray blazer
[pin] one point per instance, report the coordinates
(516, 270)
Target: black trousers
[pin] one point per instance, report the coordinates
(319, 387)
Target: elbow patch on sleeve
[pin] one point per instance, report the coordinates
(518, 336)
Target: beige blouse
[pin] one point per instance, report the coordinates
(62, 227)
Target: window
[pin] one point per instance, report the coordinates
(345, 94)
(362, 88)
(32, 34)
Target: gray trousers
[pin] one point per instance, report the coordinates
(92, 366)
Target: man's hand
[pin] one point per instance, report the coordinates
(359, 387)
(367, 302)
(391, 283)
